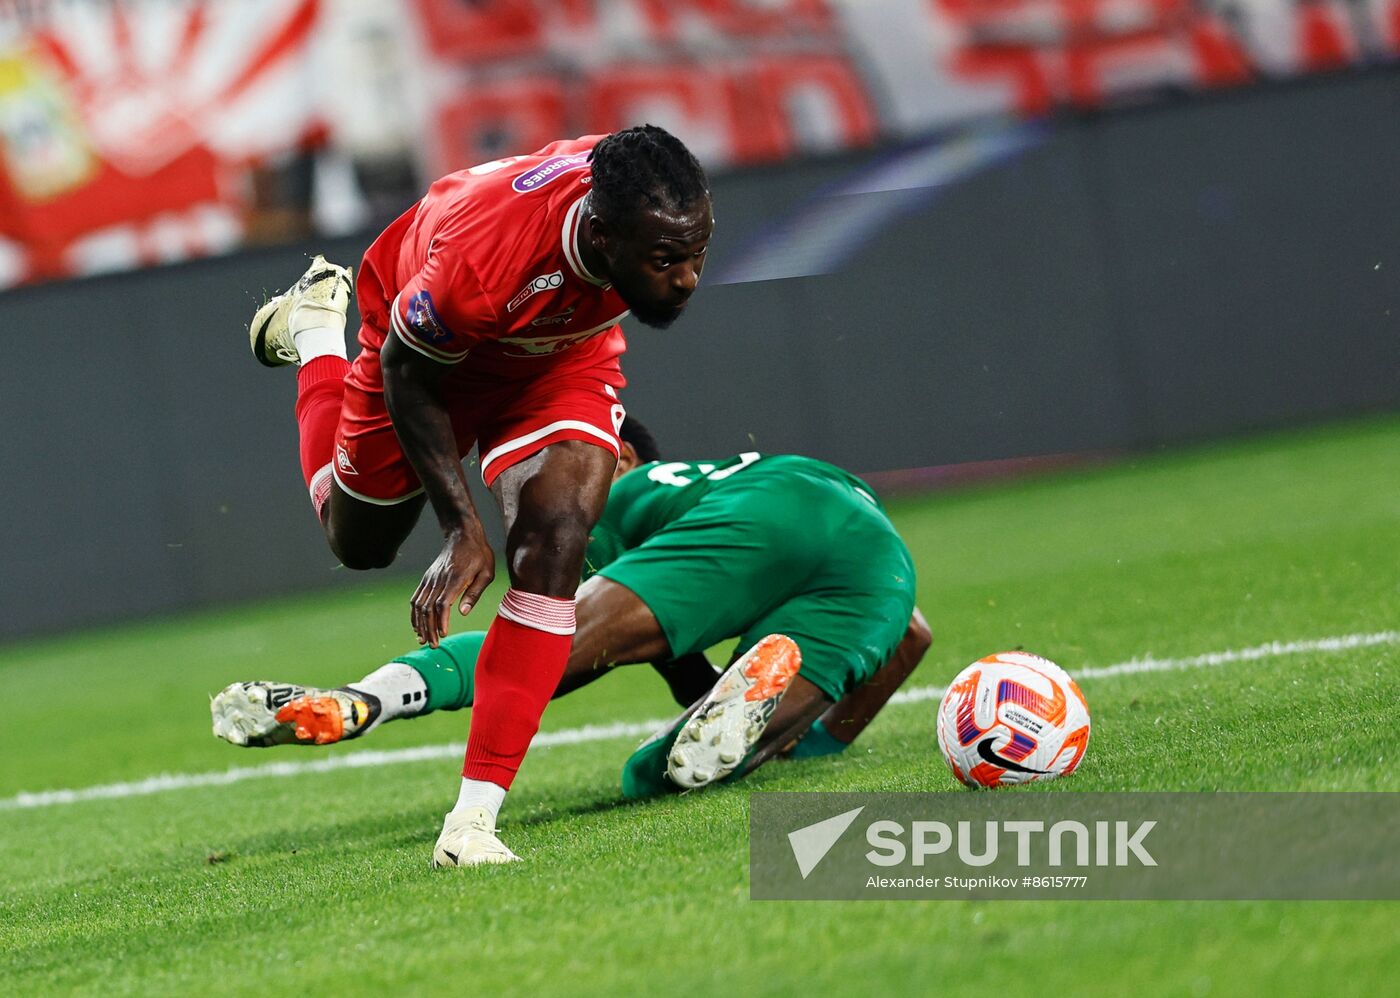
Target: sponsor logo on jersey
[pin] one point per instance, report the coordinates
(545, 282)
(422, 318)
(549, 171)
(534, 346)
(562, 318)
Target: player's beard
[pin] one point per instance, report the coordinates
(637, 295)
(656, 318)
(650, 314)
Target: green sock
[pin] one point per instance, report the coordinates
(644, 773)
(816, 742)
(449, 670)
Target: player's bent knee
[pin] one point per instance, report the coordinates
(362, 558)
(548, 550)
(365, 537)
(365, 561)
(547, 554)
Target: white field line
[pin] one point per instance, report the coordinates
(636, 729)
(1274, 649)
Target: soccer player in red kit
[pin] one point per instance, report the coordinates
(489, 316)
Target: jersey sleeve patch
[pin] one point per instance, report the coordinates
(417, 323)
(443, 311)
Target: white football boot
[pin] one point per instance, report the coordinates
(319, 298)
(730, 721)
(469, 839)
(261, 714)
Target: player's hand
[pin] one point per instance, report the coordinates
(464, 569)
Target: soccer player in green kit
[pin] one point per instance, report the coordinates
(793, 556)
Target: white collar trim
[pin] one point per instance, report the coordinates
(573, 218)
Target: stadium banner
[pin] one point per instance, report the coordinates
(135, 132)
(1039, 846)
(751, 81)
(130, 130)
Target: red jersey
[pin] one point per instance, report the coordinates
(484, 273)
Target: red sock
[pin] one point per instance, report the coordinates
(517, 671)
(320, 389)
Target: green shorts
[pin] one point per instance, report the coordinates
(782, 548)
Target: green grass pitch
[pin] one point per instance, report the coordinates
(318, 883)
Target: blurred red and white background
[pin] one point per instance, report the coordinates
(135, 132)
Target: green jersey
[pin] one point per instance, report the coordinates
(655, 495)
(754, 545)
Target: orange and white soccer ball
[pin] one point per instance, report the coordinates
(1012, 717)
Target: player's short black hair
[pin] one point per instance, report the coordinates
(645, 167)
(634, 433)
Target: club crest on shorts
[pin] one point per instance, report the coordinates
(545, 282)
(422, 318)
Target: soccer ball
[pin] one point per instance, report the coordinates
(1012, 717)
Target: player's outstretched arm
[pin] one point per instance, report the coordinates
(466, 565)
(849, 717)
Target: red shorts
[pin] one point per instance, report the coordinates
(510, 420)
